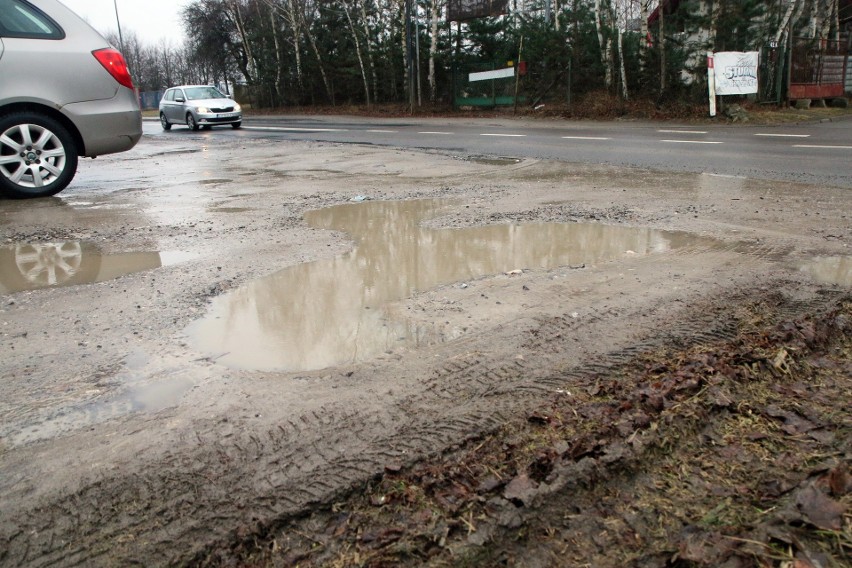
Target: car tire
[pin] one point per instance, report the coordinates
(190, 121)
(38, 156)
(236, 125)
(164, 122)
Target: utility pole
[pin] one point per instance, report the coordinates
(118, 23)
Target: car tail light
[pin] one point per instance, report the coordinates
(113, 61)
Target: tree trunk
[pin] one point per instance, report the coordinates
(662, 43)
(829, 16)
(293, 16)
(249, 67)
(605, 45)
(644, 13)
(433, 51)
(306, 28)
(619, 48)
(358, 52)
(624, 90)
(406, 52)
(785, 22)
(715, 12)
(812, 22)
(279, 67)
(369, 45)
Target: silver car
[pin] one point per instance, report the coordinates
(64, 93)
(198, 106)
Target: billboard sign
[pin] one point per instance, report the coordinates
(735, 72)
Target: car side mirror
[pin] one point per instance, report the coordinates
(180, 100)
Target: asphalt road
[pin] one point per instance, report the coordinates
(819, 153)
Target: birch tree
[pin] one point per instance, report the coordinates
(435, 10)
(604, 43)
(369, 45)
(249, 65)
(619, 24)
(279, 65)
(358, 53)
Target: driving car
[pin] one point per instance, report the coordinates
(198, 106)
(65, 93)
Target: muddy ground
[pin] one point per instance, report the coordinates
(673, 389)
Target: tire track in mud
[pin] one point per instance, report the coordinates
(236, 483)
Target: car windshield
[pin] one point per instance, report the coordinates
(196, 93)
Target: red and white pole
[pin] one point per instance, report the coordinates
(711, 82)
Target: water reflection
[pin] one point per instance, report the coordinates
(330, 312)
(31, 266)
(830, 270)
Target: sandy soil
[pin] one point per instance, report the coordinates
(579, 413)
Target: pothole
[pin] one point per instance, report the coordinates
(332, 311)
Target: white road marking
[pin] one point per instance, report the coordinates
(506, 135)
(691, 142)
(293, 129)
(585, 138)
(824, 147)
(724, 175)
(383, 131)
(682, 131)
(430, 132)
(784, 135)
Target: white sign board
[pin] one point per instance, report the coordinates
(496, 74)
(736, 72)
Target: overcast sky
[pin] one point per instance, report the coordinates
(151, 20)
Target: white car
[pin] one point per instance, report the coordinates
(198, 106)
(64, 93)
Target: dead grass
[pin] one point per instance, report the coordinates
(734, 453)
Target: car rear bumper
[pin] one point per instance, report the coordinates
(107, 126)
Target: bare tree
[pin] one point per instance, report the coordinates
(435, 10)
(235, 11)
(605, 44)
(358, 53)
(369, 44)
(279, 64)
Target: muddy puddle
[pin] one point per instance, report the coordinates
(829, 270)
(137, 392)
(335, 311)
(32, 266)
(493, 160)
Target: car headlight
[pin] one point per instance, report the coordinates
(237, 107)
(203, 110)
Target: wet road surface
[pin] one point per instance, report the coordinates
(809, 153)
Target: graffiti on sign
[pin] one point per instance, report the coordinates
(736, 72)
(460, 10)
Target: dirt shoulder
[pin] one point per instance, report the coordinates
(732, 451)
(679, 392)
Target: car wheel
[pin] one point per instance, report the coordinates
(236, 125)
(190, 121)
(165, 122)
(37, 155)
